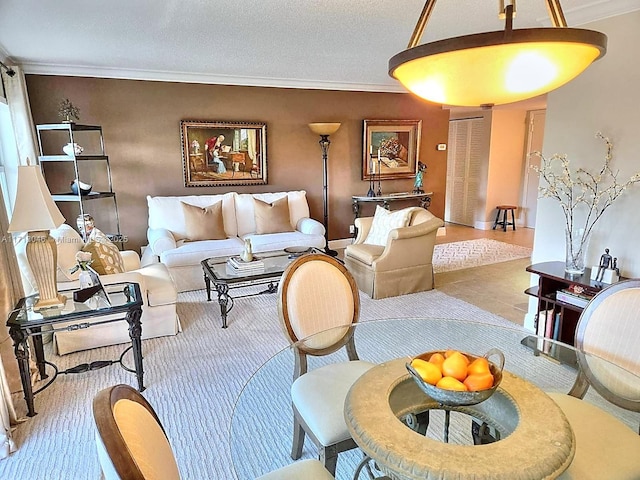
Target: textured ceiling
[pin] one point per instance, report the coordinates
(341, 44)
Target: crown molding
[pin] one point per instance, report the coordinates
(186, 77)
(595, 10)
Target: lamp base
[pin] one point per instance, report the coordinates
(42, 255)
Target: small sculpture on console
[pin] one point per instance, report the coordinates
(417, 184)
(605, 263)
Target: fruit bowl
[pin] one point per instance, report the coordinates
(460, 398)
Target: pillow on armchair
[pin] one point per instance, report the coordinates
(383, 222)
(105, 256)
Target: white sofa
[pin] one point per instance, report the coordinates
(167, 232)
(159, 317)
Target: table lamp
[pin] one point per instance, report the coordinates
(36, 213)
(324, 130)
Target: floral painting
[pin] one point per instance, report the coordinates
(223, 153)
(390, 149)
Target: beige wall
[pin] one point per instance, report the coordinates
(604, 98)
(141, 124)
(508, 129)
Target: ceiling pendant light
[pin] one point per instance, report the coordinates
(498, 67)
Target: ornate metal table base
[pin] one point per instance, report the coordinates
(20, 339)
(226, 301)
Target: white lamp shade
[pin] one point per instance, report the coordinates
(324, 128)
(34, 208)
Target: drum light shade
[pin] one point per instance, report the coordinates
(494, 68)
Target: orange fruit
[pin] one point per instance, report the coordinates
(479, 365)
(478, 381)
(429, 372)
(455, 366)
(450, 383)
(437, 359)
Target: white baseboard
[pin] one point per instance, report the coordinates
(340, 243)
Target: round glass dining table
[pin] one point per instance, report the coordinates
(262, 421)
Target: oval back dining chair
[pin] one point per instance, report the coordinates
(132, 445)
(609, 328)
(318, 294)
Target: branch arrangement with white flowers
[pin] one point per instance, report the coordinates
(596, 191)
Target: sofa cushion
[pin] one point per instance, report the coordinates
(272, 217)
(298, 208)
(166, 212)
(106, 259)
(269, 242)
(203, 223)
(383, 222)
(192, 253)
(363, 252)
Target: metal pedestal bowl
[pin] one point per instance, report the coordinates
(455, 398)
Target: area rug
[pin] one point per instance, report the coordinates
(474, 253)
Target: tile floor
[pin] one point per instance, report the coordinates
(497, 288)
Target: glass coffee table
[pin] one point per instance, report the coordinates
(217, 272)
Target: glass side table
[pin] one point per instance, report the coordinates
(23, 322)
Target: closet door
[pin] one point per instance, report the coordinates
(463, 170)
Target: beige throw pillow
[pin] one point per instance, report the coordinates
(105, 256)
(204, 223)
(383, 222)
(272, 217)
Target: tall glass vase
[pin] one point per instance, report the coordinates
(577, 244)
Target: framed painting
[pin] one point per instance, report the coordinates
(390, 149)
(216, 154)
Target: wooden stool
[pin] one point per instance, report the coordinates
(504, 209)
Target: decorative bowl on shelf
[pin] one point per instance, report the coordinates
(84, 188)
(72, 149)
(455, 398)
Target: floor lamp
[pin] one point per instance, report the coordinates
(324, 130)
(35, 212)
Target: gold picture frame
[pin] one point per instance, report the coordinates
(390, 149)
(216, 154)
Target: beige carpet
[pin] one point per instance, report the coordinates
(474, 253)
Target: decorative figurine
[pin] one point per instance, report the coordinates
(605, 263)
(247, 254)
(417, 184)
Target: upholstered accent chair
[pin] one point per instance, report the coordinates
(609, 328)
(403, 265)
(132, 445)
(318, 294)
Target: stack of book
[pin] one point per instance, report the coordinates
(237, 265)
(574, 296)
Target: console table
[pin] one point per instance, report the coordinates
(424, 200)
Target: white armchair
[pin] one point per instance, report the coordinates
(159, 317)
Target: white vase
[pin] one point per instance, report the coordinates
(72, 149)
(85, 279)
(577, 244)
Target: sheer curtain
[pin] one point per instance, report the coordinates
(10, 281)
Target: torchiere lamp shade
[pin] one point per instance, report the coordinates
(324, 128)
(36, 212)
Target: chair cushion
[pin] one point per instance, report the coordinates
(272, 217)
(383, 222)
(145, 440)
(605, 447)
(319, 397)
(302, 470)
(364, 252)
(105, 255)
(204, 223)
